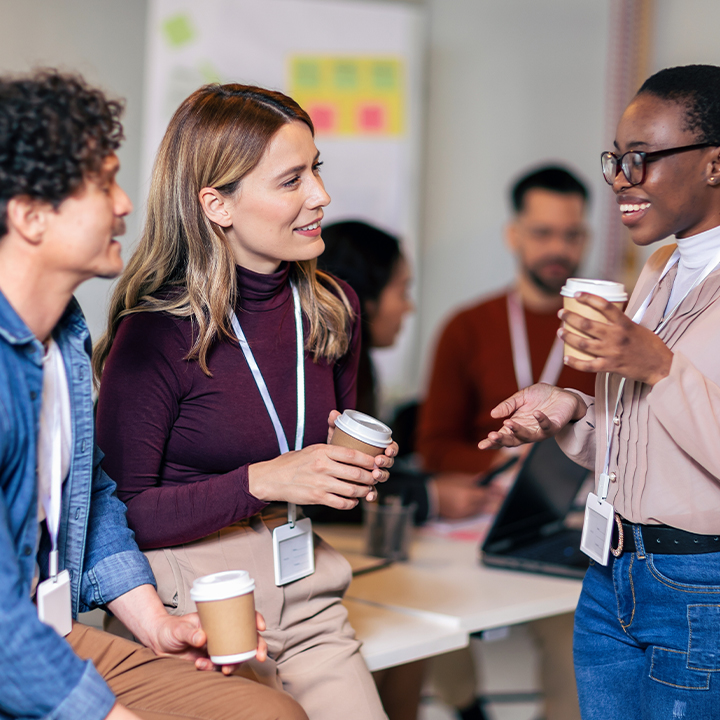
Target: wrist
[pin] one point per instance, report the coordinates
(257, 486)
(142, 613)
(580, 408)
(663, 371)
(147, 629)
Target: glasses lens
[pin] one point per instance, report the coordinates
(633, 166)
(609, 167)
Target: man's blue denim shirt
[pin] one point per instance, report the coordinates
(40, 676)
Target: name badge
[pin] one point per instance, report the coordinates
(597, 529)
(53, 603)
(293, 551)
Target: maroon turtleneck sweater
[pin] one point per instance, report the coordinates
(178, 443)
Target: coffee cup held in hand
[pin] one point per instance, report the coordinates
(613, 292)
(362, 432)
(226, 604)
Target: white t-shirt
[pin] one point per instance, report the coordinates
(55, 427)
(55, 424)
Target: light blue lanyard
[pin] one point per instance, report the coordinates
(262, 386)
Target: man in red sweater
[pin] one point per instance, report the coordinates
(507, 341)
(485, 353)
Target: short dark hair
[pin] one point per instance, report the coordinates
(549, 177)
(362, 255)
(365, 257)
(54, 131)
(698, 88)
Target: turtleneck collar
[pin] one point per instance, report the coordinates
(258, 292)
(696, 251)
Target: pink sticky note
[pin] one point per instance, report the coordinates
(324, 117)
(372, 117)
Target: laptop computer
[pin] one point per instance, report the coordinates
(530, 531)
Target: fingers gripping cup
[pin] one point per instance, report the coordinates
(362, 432)
(613, 292)
(226, 605)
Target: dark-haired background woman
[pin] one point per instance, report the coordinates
(193, 425)
(372, 262)
(647, 627)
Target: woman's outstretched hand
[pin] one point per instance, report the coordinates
(534, 413)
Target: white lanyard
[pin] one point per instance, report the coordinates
(604, 483)
(521, 348)
(262, 387)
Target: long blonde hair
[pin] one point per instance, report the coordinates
(184, 264)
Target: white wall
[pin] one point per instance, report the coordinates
(510, 83)
(686, 33)
(104, 40)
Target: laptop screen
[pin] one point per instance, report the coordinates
(543, 493)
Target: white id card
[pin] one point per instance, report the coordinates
(597, 529)
(53, 603)
(293, 551)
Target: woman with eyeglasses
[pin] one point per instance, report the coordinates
(647, 626)
(227, 357)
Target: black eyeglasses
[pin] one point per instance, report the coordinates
(633, 163)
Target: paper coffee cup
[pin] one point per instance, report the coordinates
(362, 432)
(226, 605)
(613, 292)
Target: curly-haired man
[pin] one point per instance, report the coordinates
(64, 542)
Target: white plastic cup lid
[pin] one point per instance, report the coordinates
(364, 428)
(610, 291)
(221, 586)
(233, 659)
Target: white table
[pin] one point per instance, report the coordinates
(445, 589)
(391, 637)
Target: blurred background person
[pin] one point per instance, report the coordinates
(507, 341)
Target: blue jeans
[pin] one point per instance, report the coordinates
(647, 637)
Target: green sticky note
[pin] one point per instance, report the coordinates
(307, 74)
(384, 75)
(178, 30)
(346, 74)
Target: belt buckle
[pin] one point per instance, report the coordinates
(617, 552)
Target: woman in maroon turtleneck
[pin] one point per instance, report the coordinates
(233, 224)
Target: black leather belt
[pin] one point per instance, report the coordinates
(661, 539)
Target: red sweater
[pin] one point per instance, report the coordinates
(472, 373)
(178, 443)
